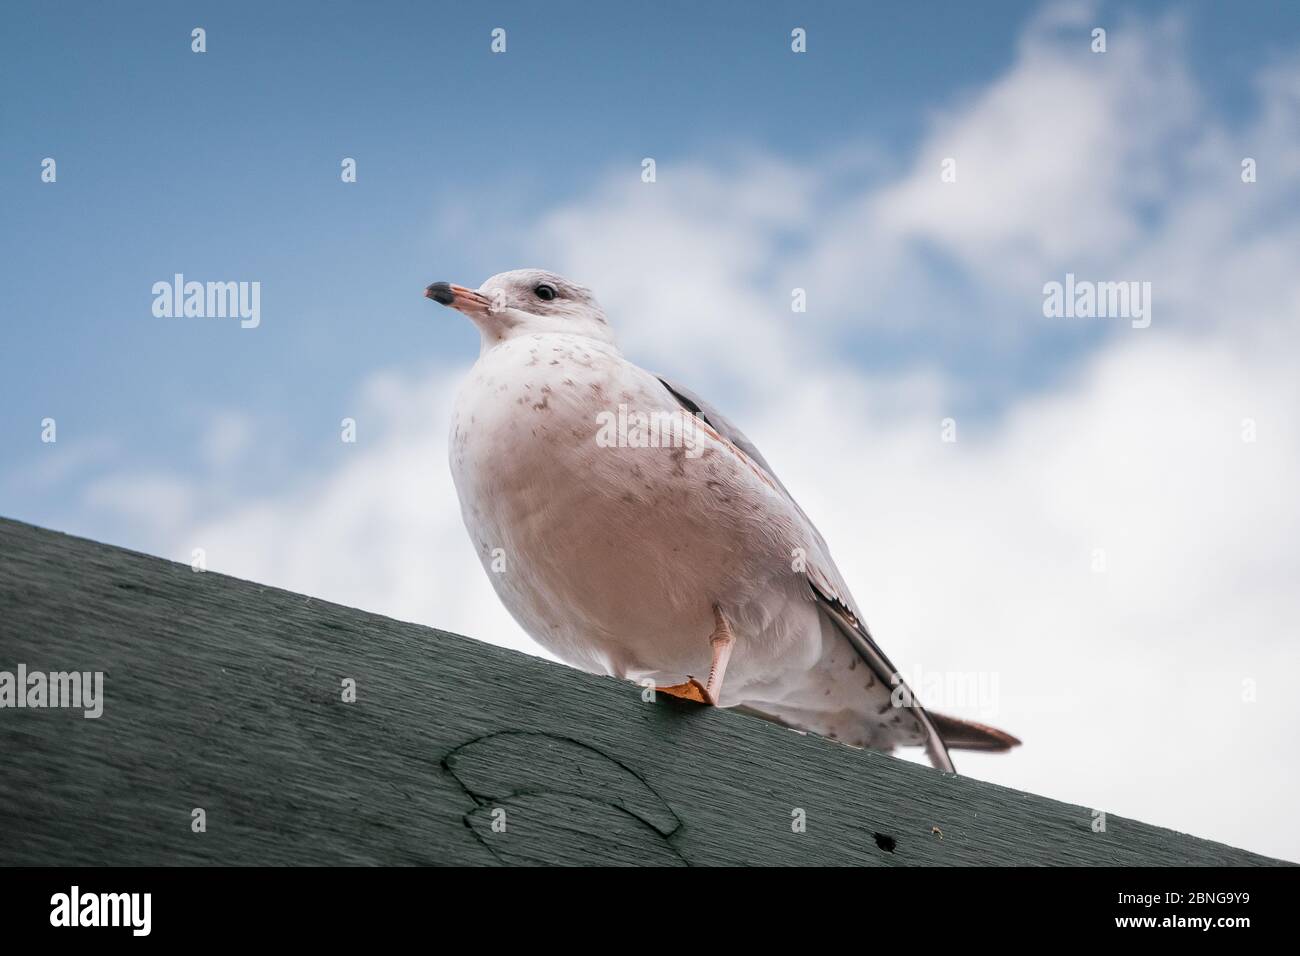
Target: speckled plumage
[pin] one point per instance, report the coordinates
(612, 557)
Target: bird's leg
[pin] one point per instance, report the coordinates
(721, 641)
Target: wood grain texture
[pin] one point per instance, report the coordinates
(226, 695)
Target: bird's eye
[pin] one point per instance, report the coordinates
(545, 292)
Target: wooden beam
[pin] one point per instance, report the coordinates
(228, 697)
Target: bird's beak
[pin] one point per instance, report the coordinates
(458, 297)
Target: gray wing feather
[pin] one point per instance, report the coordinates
(824, 579)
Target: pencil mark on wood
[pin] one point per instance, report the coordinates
(563, 800)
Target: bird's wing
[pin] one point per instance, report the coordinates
(825, 582)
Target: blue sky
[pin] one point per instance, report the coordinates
(225, 165)
(775, 171)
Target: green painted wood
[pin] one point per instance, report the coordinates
(225, 695)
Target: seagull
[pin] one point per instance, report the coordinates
(632, 530)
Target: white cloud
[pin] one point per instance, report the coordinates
(685, 264)
(975, 556)
(228, 437)
(1127, 685)
(156, 504)
(1053, 159)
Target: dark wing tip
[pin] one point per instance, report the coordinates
(969, 735)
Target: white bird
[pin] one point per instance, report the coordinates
(632, 530)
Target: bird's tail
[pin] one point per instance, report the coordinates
(967, 735)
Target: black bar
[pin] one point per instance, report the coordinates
(214, 905)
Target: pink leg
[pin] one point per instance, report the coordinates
(721, 641)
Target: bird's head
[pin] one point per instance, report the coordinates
(526, 301)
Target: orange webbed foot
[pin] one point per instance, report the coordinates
(691, 690)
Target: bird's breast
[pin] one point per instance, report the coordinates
(610, 508)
